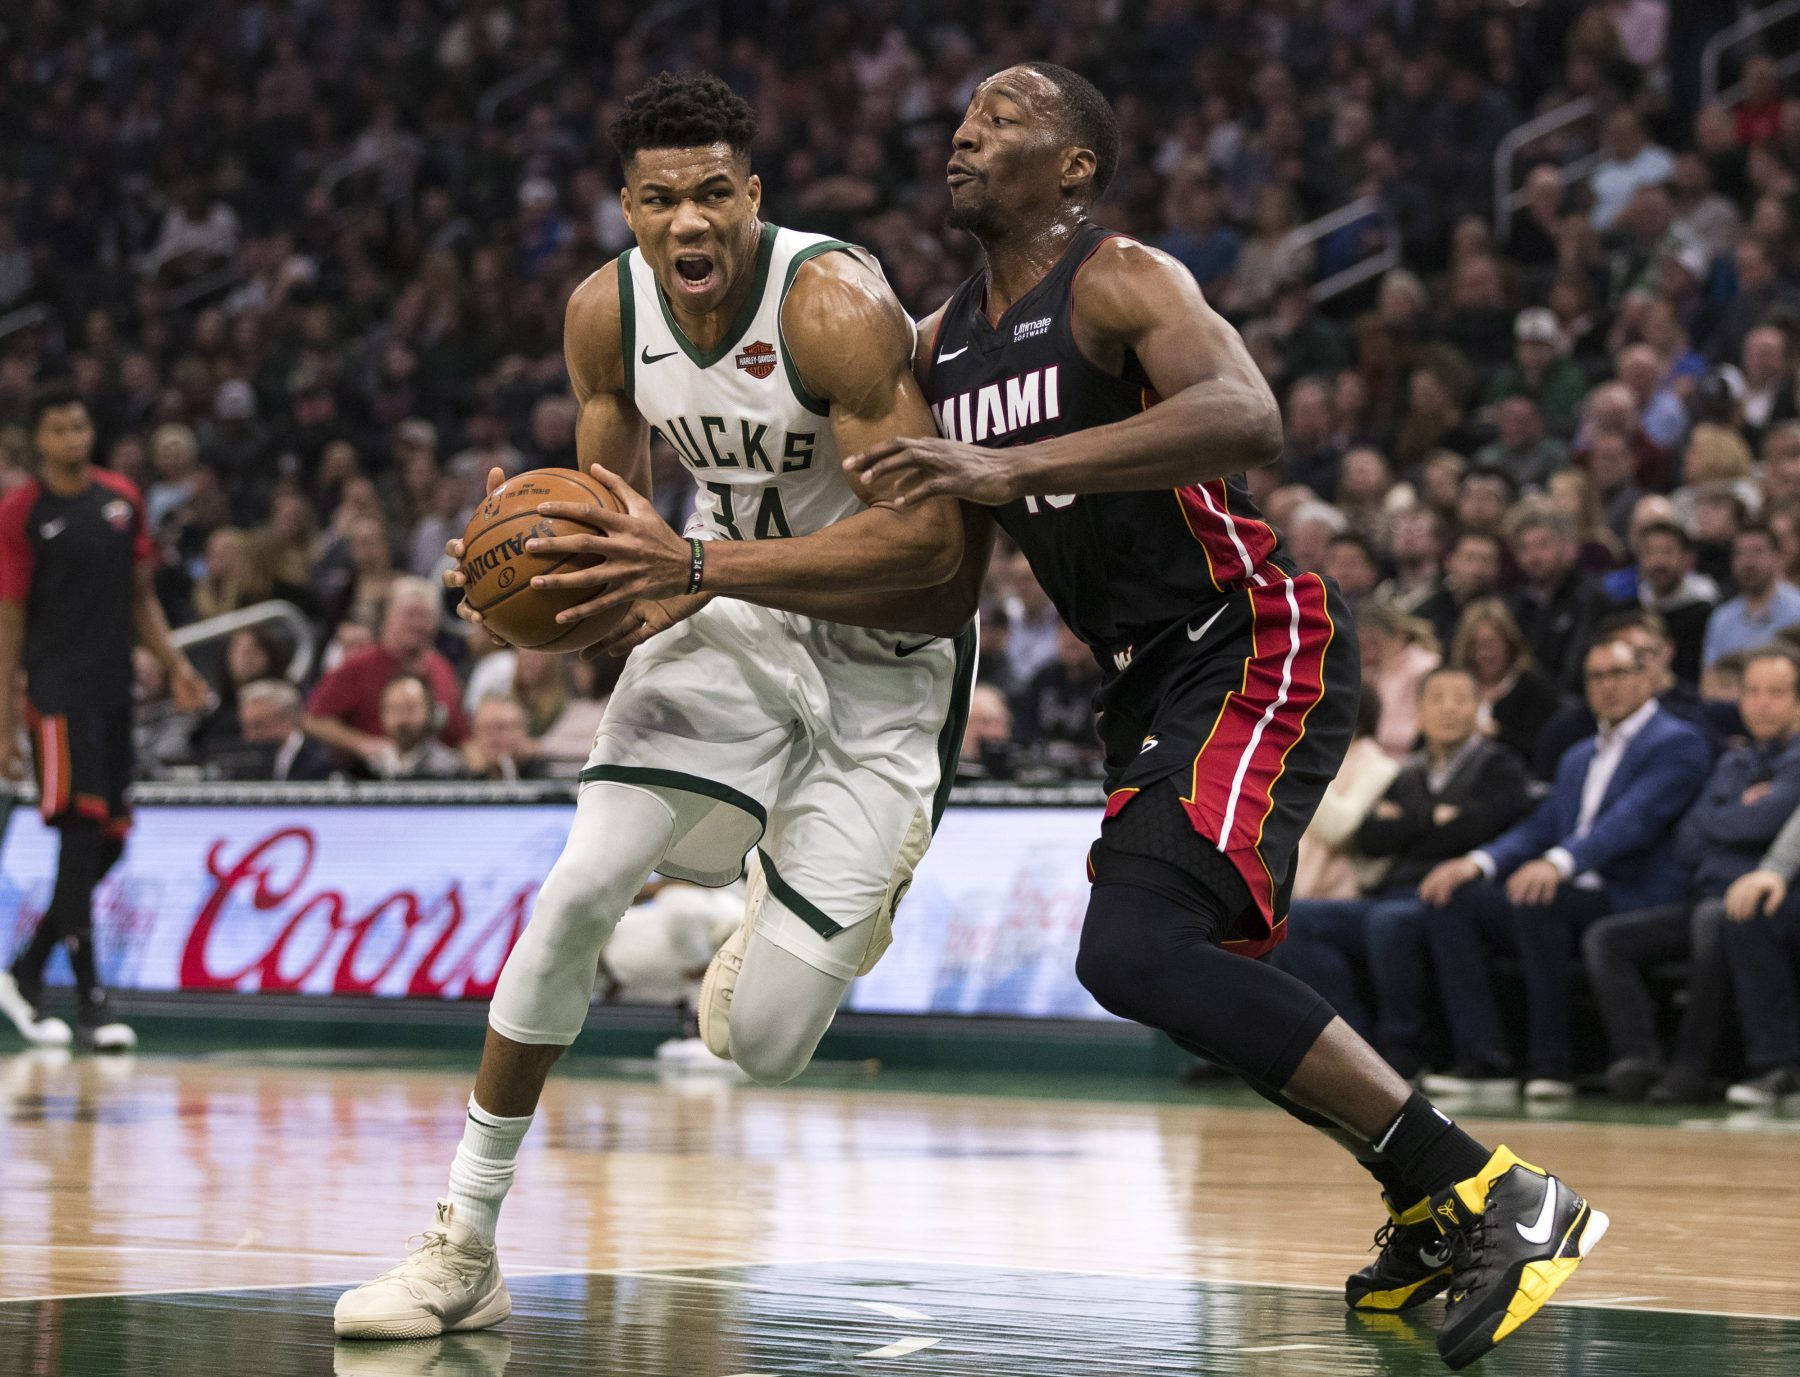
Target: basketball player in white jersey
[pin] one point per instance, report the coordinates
(751, 716)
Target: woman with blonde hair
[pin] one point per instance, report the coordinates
(1398, 651)
(1716, 459)
(1517, 697)
(1572, 492)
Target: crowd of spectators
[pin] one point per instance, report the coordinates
(306, 261)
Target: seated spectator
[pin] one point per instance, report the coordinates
(1327, 866)
(1628, 161)
(1763, 382)
(1310, 455)
(1541, 372)
(1752, 791)
(409, 748)
(1053, 715)
(1350, 561)
(498, 746)
(1719, 514)
(1416, 551)
(1765, 603)
(1556, 603)
(1598, 843)
(1645, 632)
(1715, 460)
(564, 746)
(233, 576)
(1197, 235)
(250, 655)
(1572, 493)
(1722, 682)
(1523, 447)
(162, 734)
(345, 708)
(1613, 467)
(1513, 696)
(271, 743)
(1762, 945)
(1472, 571)
(1461, 790)
(1670, 586)
(354, 580)
(1483, 500)
(987, 747)
(1398, 651)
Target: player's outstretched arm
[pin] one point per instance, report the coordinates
(1217, 416)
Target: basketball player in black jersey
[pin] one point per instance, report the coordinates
(75, 596)
(1091, 400)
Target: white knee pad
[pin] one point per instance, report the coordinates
(779, 1011)
(619, 835)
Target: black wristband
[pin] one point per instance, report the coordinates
(696, 563)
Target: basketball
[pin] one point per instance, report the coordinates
(499, 569)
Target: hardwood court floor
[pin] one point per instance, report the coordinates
(199, 1216)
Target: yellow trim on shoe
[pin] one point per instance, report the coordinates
(1399, 1296)
(1540, 1280)
(1474, 1192)
(1413, 1214)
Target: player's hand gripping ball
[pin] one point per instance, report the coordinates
(498, 569)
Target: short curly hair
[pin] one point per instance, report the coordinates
(671, 111)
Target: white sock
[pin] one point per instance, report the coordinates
(482, 1171)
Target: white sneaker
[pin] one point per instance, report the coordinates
(451, 1282)
(1448, 1083)
(715, 991)
(111, 1036)
(23, 1015)
(1549, 1088)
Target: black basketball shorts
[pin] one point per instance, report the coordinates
(84, 764)
(1220, 746)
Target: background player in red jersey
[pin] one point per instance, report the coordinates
(1101, 409)
(75, 593)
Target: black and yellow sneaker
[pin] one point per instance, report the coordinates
(1413, 1266)
(1516, 1233)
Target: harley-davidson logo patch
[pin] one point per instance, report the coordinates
(758, 359)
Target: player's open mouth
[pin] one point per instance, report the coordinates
(694, 273)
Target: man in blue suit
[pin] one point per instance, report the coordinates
(1599, 843)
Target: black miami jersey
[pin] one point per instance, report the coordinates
(1230, 680)
(1120, 566)
(71, 562)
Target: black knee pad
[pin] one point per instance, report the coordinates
(1148, 958)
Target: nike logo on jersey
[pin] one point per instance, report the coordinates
(904, 650)
(50, 530)
(1539, 1232)
(648, 357)
(954, 353)
(1196, 632)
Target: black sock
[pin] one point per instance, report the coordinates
(1399, 1188)
(70, 915)
(87, 979)
(1427, 1147)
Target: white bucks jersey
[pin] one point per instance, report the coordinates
(758, 444)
